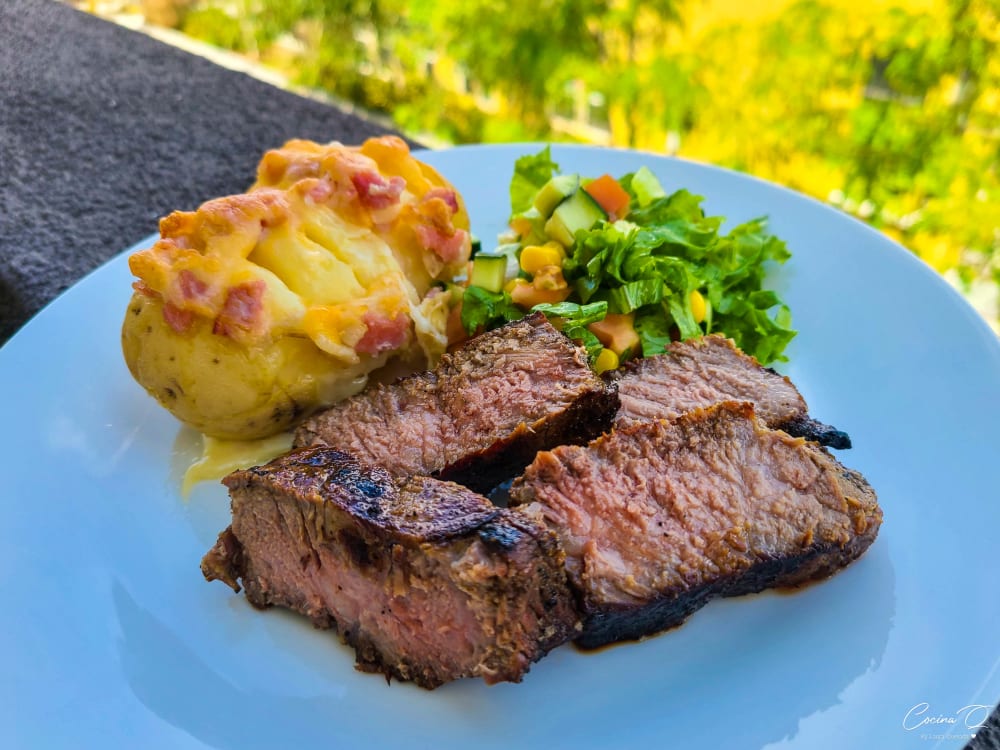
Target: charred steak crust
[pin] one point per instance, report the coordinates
(224, 562)
(818, 432)
(616, 624)
(697, 373)
(428, 581)
(658, 518)
(481, 416)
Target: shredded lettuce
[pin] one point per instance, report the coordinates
(570, 313)
(648, 265)
(483, 310)
(572, 319)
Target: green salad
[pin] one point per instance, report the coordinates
(623, 268)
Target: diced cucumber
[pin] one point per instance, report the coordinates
(577, 212)
(529, 226)
(477, 246)
(489, 271)
(646, 187)
(538, 237)
(554, 192)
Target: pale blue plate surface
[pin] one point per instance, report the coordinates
(110, 638)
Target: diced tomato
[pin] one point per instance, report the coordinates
(454, 329)
(609, 195)
(617, 333)
(527, 295)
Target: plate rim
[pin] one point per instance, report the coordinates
(26, 329)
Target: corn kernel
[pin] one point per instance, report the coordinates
(606, 360)
(536, 257)
(699, 307)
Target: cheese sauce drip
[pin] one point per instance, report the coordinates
(222, 457)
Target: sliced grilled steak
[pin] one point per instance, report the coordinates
(481, 416)
(658, 518)
(700, 372)
(427, 580)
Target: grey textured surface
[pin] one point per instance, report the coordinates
(103, 131)
(988, 738)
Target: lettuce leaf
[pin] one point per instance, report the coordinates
(582, 336)
(572, 319)
(531, 172)
(653, 326)
(483, 310)
(570, 313)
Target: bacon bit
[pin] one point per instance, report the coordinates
(242, 310)
(178, 319)
(383, 334)
(320, 192)
(448, 196)
(375, 191)
(144, 289)
(447, 248)
(191, 287)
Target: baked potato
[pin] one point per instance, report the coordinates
(259, 308)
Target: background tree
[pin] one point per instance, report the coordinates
(525, 49)
(890, 112)
(636, 71)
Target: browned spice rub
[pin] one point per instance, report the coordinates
(481, 416)
(658, 518)
(427, 580)
(700, 372)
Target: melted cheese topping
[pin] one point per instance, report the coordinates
(339, 244)
(222, 457)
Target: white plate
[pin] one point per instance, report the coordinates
(110, 638)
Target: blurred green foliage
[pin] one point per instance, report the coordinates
(889, 111)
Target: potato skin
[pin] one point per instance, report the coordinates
(226, 389)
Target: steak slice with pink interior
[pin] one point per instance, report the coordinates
(481, 416)
(427, 580)
(698, 373)
(658, 518)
